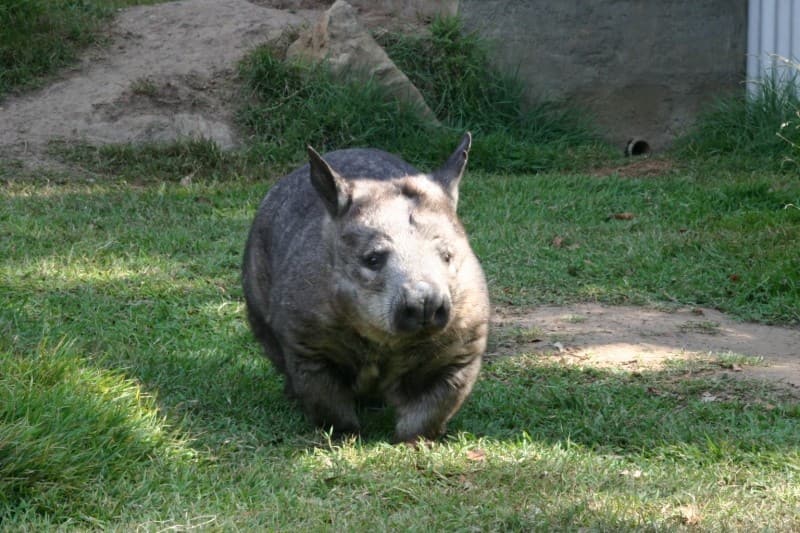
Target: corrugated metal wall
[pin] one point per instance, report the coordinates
(773, 38)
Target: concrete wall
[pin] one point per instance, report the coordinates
(640, 67)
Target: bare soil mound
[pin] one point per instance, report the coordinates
(635, 338)
(166, 74)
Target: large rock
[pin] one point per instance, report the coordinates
(342, 40)
(395, 14)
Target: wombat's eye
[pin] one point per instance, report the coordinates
(375, 260)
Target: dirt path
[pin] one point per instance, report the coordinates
(169, 72)
(635, 338)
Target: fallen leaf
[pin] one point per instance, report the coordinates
(186, 180)
(466, 484)
(558, 346)
(733, 367)
(476, 455)
(623, 216)
(557, 241)
(635, 474)
(707, 397)
(690, 515)
(734, 277)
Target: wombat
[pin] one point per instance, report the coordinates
(360, 283)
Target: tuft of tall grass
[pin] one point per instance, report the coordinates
(758, 131)
(291, 104)
(452, 68)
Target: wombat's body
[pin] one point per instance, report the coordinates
(360, 282)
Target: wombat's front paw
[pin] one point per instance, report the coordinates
(411, 431)
(341, 424)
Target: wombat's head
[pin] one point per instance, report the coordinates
(399, 253)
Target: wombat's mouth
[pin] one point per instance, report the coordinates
(395, 336)
(422, 312)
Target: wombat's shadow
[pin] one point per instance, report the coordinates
(231, 392)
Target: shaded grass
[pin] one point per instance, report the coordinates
(144, 282)
(39, 36)
(147, 163)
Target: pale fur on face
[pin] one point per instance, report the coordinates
(407, 224)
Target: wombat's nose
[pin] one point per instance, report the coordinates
(422, 307)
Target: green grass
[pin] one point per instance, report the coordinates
(452, 69)
(719, 239)
(134, 395)
(201, 159)
(39, 36)
(291, 105)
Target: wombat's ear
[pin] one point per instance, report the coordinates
(331, 187)
(449, 175)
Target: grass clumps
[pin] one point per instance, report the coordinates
(293, 104)
(194, 158)
(68, 427)
(758, 131)
(451, 68)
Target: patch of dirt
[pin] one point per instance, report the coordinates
(635, 338)
(641, 167)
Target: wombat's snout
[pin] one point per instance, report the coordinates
(422, 306)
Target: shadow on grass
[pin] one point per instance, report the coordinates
(192, 347)
(628, 413)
